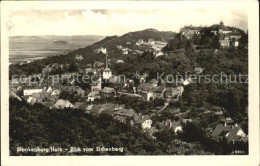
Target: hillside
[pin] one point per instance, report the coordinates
(110, 42)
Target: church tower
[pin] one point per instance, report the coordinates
(107, 73)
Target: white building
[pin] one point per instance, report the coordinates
(29, 92)
(143, 120)
(63, 104)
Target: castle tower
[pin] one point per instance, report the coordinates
(107, 73)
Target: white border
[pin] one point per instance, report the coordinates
(253, 17)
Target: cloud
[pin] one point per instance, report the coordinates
(116, 22)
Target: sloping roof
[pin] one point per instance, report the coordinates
(176, 91)
(125, 112)
(153, 81)
(234, 34)
(48, 104)
(175, 125)
(220, 128)
(146, 87)
(233, 132)
(117, 79)
(99, 63)
(159, 89)
(55, 92)
(198, 69)
(93, 94)
(215, 27)
(87, 70)
(108, 90)
(120, 61)
(141, 118)
(63, 103)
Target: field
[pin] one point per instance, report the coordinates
(22, 48)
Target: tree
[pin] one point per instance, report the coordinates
(73, 67)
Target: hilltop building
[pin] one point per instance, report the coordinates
(227, 36)
(220, 28)
(189, 31)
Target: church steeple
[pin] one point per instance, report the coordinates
(106, 62)
(107, 73)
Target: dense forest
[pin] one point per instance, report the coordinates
(38, 126)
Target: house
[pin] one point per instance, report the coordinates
(159, 53)
(235, 35)
(98, 64)
(146, 90)
(175, 126)
(151, 42)
(128, 43)
(55, 95)
(89, 70)
(142, 78)
(159, 92)
(86, 108)
(119, 47)
(224, 41)
(231, 132)
(189, 31)
(101, 49)
(92, 96)
(79, 57)
(29, 92)
(60, 104)
(173, 92)
(120, 61)
(55, 92)
(77, 105)
(96, 83)
(108, 91)
(158, 45)
(108, 108)
(80, 92)
(31, 100)
(186, 81)
(49, 90)
(198, 70)
(124, 115)
(41, 97)
(117, 81)
(153, 82)
(125, 51)
(149, 91)
(185, 121)
(139, 42)
(143, 120)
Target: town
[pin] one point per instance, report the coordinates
(137, 98)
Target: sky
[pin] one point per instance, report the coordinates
(107, 22)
